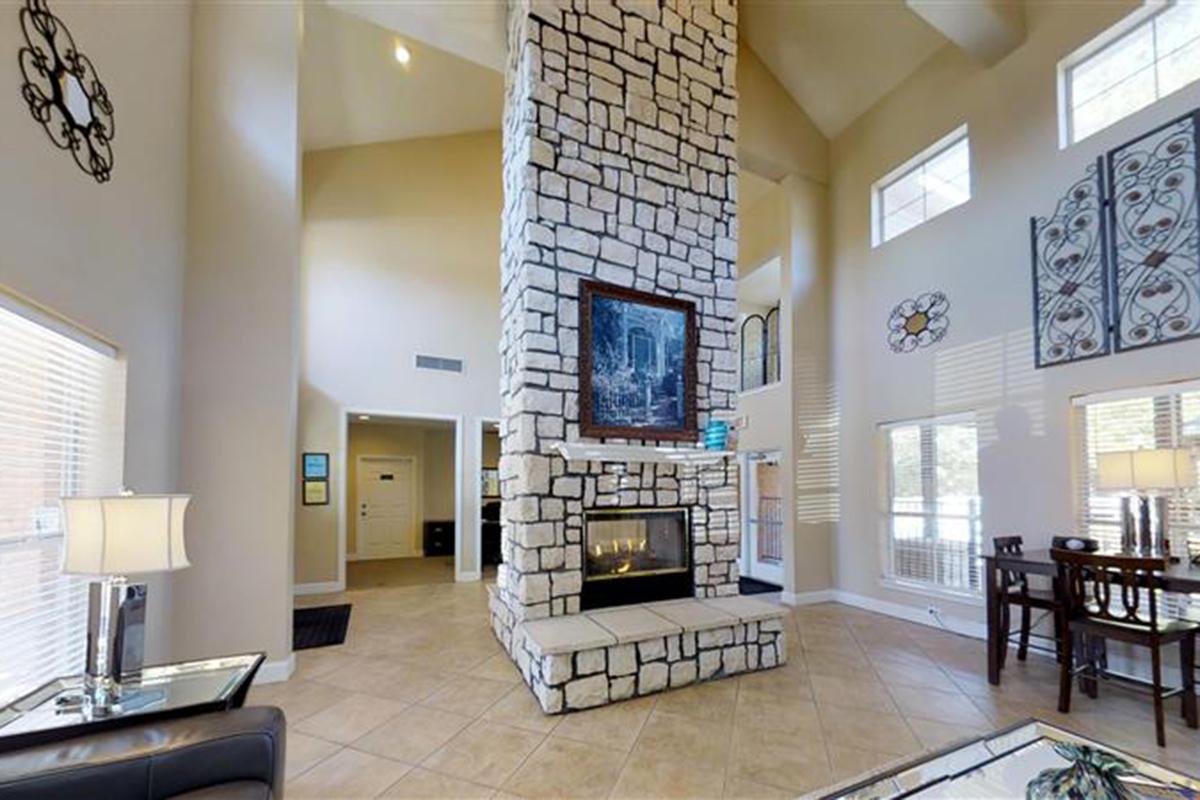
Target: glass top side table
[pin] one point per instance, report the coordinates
(53, 711)
(1020, 761)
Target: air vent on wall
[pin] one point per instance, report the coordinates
(440, 364)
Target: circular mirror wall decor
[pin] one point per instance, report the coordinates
(64, 93)
(918, 323)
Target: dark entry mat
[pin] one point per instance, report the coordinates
(320, 626)
(755, 586)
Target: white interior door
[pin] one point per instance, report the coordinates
(762, 517)
(387, 507)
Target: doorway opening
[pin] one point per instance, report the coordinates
(489, 497)
(761, 558)
(402, 504)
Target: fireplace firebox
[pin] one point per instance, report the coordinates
(636, 555)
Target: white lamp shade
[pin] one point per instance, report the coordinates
(125, 535)
(1144, 470)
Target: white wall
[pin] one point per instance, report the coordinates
(111, 256)
(978, 254)
(401, 255)
(239, 350)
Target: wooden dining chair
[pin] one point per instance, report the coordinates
(1016, 591)
(1090, 583)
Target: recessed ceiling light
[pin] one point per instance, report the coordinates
(402, 54)
(364, 417)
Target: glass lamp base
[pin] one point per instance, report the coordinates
(116, 625)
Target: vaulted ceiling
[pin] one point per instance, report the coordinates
(837, 59)
(353, 91)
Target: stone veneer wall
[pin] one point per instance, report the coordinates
(619, 166)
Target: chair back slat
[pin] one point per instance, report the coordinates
(1088, 580)
(1012, 546)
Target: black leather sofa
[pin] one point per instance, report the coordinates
(231, 755)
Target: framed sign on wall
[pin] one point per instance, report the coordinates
(314, 471)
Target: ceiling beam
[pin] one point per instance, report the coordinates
(987, 30)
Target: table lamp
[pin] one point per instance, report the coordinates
(1145, 475)
(109, 539)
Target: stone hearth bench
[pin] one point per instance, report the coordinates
(598, 657)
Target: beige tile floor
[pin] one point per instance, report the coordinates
(422, 702)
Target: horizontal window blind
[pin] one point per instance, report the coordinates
(61, 433)
(1162, 417)
(932, 525)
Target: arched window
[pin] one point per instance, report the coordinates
(771, 347)
(754, 329)
(760, 349)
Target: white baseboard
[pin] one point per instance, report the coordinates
(808, 598)
(328, 587)
(468, 577)
(276, 671)
(966, 627)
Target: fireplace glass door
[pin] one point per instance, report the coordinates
(635, 555)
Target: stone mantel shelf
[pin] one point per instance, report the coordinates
(628, 453)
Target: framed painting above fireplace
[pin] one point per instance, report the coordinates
(637, 364)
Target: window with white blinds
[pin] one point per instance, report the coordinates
(932, 525)
(1155, 417)
(62, 409)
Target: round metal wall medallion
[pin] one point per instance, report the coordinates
(63, 92)
(919, 322)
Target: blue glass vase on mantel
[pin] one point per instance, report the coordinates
(716, 435)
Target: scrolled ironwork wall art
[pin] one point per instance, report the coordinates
(918, 322)
(63, 92)
(1155, 239)
(1070, 283)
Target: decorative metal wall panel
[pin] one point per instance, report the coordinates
(1070, 279)
(1153, 222)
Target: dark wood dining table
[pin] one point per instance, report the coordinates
(1180, 577)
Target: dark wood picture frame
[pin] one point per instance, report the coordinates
(588, 291)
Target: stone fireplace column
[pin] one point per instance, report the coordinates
(619, 166)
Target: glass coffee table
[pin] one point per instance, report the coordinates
(52, 712)
(1033, 760)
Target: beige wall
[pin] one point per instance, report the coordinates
(814, 487)
(238, 455)
(978, 254)
(110, 256)
(401, 250)
(796, 417)
(433, 448)
(775, 137)
(763, 235)
(777, 140)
